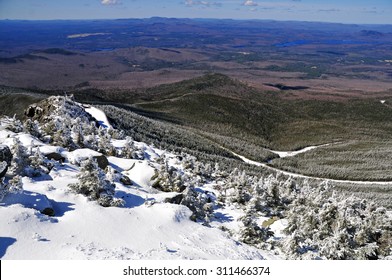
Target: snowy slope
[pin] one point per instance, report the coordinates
(144, 228)
(85, 230)
(110, 197)
(98, 115)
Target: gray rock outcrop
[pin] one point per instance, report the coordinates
(5, 154)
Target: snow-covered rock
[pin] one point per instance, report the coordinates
(99, 115)
(77, 156)
(5, 154)
(3, 168)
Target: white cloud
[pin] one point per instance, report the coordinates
(329, 10)
(109, 2)
(191, 3)
(250, 3)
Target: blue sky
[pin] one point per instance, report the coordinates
(345, 11)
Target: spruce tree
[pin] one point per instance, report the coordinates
(94, 184)
(20, 158)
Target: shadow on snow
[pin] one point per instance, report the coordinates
(5, 242)
(131, 200)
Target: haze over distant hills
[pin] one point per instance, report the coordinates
(242, 139)
(95, 35)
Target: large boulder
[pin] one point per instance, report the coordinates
(55, 156)
(126, 180)
(177, 199)
(43, 110)
(5, 154)
(34, 111)
(163, 187)
(102, 161)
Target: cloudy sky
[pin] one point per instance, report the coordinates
(345, 11)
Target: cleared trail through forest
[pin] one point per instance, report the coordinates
(298, 175)
(163, 100)
(284, 154)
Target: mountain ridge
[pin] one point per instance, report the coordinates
(189, 209)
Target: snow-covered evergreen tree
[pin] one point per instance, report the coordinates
(38, 164)
(170, 179)
(199, 203)
(77, 133)
(13, 124)
(20, 159)
(14, 185)
(3, 189)
(253, 234)
(94, 184)
(324, 224)
(129, 150)
(32, 127)
(104, 143)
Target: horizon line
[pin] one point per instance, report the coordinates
(198, 18)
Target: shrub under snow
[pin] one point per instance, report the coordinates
(94, 184)
(323, 224)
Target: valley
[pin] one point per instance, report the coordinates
(239, 131)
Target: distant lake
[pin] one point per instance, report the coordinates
(324, 42)
(103, 49)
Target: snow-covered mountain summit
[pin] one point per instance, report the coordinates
(74, 187)
(54, 210)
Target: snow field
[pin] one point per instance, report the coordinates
(81, 229)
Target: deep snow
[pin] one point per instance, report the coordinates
(145, 228)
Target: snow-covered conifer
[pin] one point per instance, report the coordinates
(128, 148)
(94, 184)
(3, 189)
(37, 163)
(198, 203)
(15, 184)
(169, 179)
(20, 158)
(251, 233)
(32, 127)
(13, 124)
(328, 225)
(77, 133)
(105, 144)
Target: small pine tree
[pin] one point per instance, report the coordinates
(327, 225)
(32, 127)
(129, 150)
(13, 124)
(37, 164)
(20, 158)
(251, 233)
(94, 184)
(105, 145)
(199, 204)
(169, 179)
(3, 189)
(15, 185)
(77, 133)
